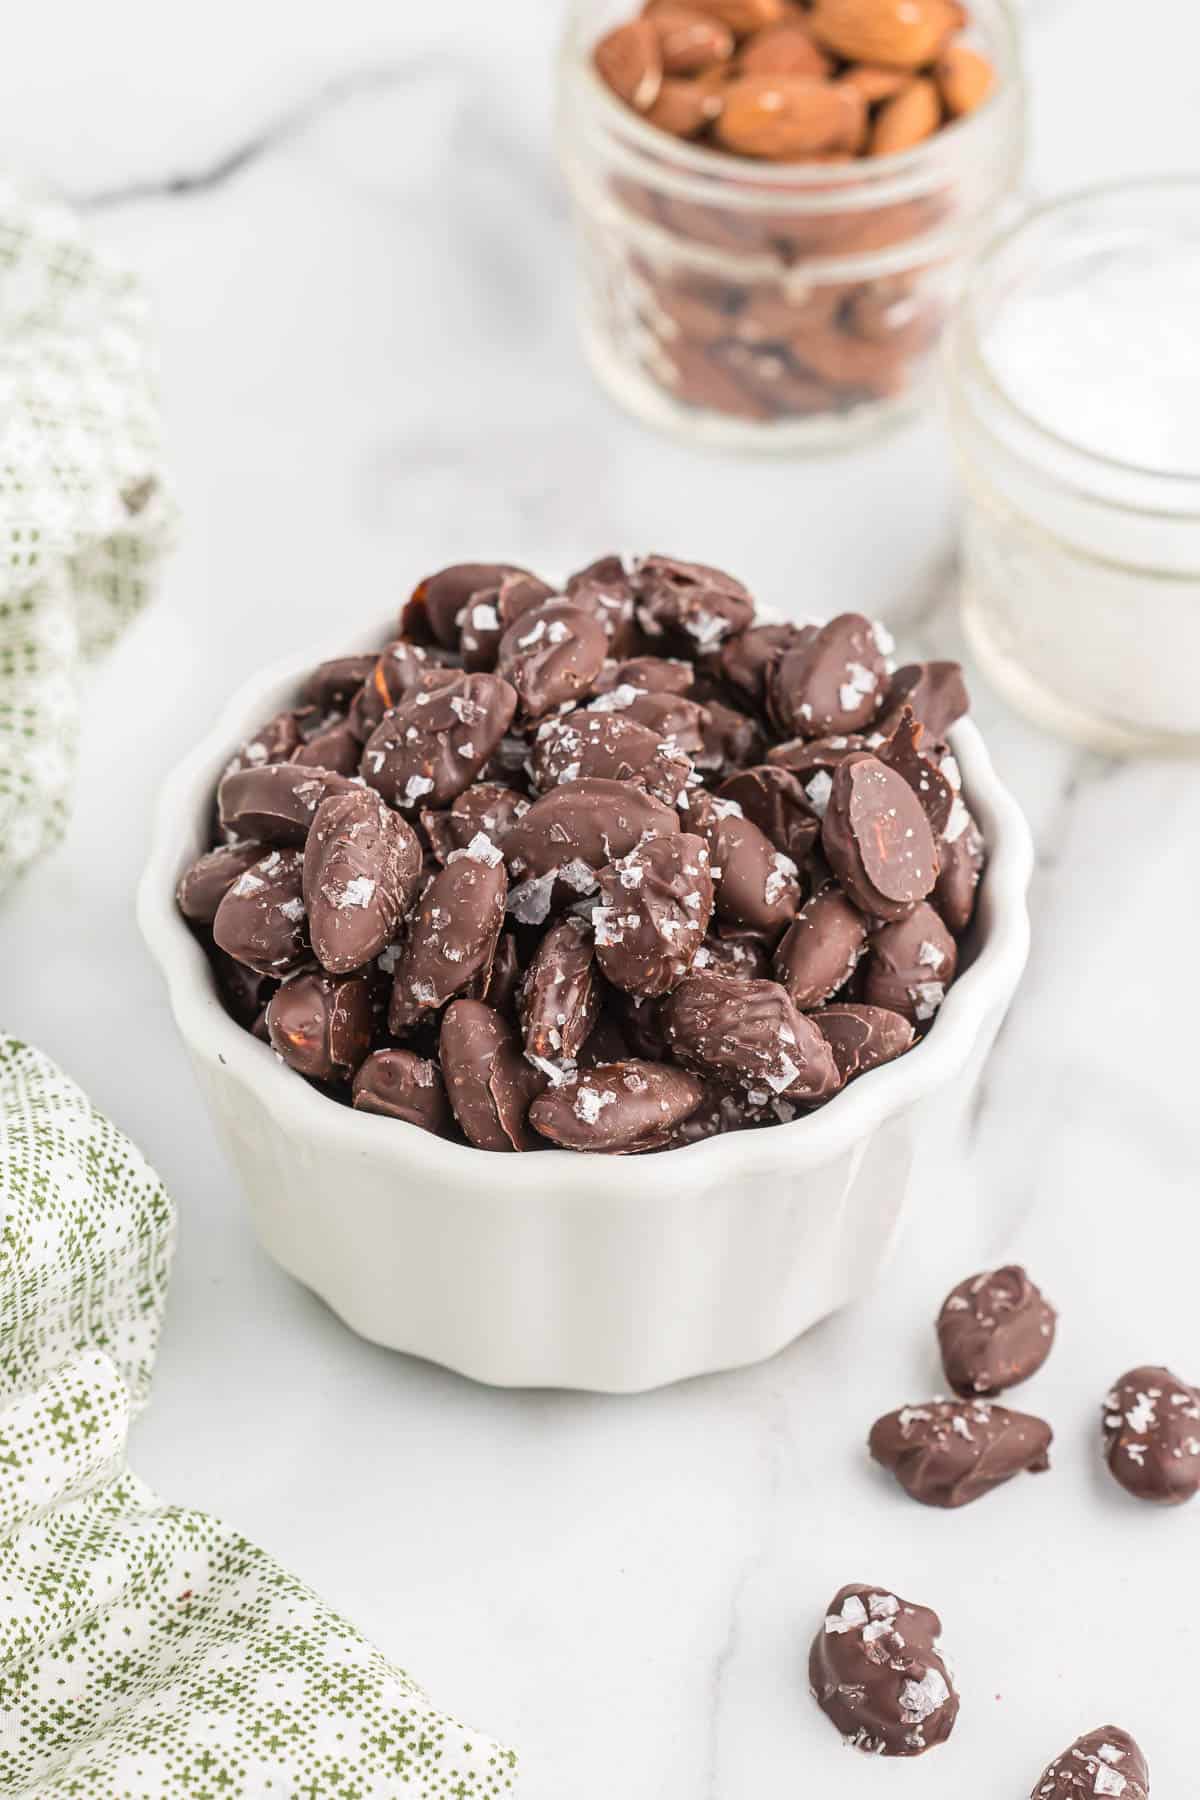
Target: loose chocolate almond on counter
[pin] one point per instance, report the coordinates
(551, 655)
(619, 1108)
(877, 839)
(320, 1024)
(559, 1001)
(909, 966)
(656, 903)
(401, 1085)
(1152, 1436)
(275, 804)
(205, 884)
(863, 1037)
(488, 1081)
(261, 920)
(451, 937)
(950, 1452)
(748, 1033)
(878, 1675)
(821, 949)
(994, 1330)
(1106, 1761)
(433, 745)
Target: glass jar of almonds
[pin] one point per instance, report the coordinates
(776, 202)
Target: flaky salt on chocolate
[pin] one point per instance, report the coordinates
(536, 834)
(950, 1452)
(995, 1330)
(1152, 1436)
(878, 1674)
(1106, 1762)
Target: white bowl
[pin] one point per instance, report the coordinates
(557, 1269)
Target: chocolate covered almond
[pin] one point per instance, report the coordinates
(878, 1674)
(950, 1452)
(489, 1083)
(994, 1330)
(433, 745)
(656, 902)
(1105, 1762)
(402, 1085)
(1152, 1436)
(451, 935)
(362, 867)
(877, 838)
(618, 1108)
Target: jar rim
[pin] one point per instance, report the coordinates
(802, 182)
(969, 331)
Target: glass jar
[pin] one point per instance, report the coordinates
(1073, 389)
(775, 306)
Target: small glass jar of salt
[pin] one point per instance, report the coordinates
(1072, 377)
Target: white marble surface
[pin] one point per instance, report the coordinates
(356, 240)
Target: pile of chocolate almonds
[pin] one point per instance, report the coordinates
(784, 82)
(615, 868)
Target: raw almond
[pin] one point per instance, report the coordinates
(741, 16)
(850, 362)
(895, 312)
(700, 381)
(786, 49)
(685, 108)
(910, 117)
(965, 78)
(873, 83)
(689, 41)
(630, 61)
(900, 34)
(783, 117)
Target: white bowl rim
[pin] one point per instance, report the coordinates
(807, 1142)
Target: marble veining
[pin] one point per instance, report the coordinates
(357, 245)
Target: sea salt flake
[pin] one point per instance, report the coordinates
(617, 699)
(958, 821)
(919, 1699)
(852, 1617)
(415, 786)
(1109, 1781)
(590, 1103)
(818, 791)
(292, 910)
(359, 892)
(926, 997)
(529, 901)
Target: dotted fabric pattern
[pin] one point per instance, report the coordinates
(85, 512)
(148, 1652)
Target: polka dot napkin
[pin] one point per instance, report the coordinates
(148, 1652)
(85, 513)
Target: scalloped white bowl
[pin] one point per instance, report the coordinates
(615, 1274)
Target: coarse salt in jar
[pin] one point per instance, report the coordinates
(763, 304)
(1073, 389)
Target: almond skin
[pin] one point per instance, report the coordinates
(630, 61)
(900, 34)
(685, 108)
(786, 49)
(965, 78)
(742, 16)
(689, 41)
(873, 83)
(910, 117)
(785, 117)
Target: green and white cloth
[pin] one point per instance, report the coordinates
(85, 512)
(148, 1652)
